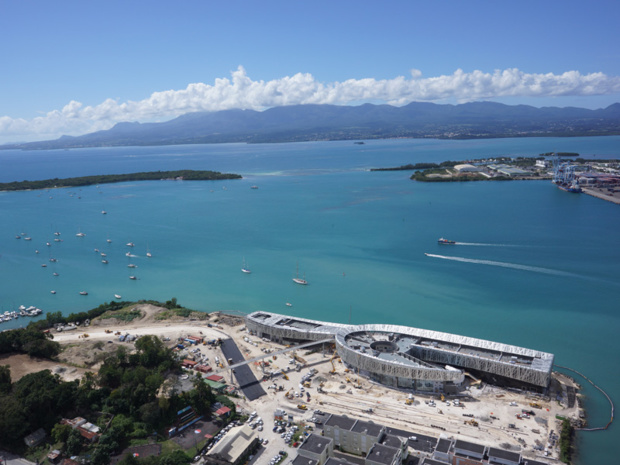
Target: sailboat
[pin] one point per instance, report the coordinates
(245, 268)
(148, 252)
(297, 279)
(80, 233)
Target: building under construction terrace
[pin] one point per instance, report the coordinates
(418, 359)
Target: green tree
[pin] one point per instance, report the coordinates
(73, 446)
(5, 379)
(60, 432)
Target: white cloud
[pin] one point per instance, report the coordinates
(240, 91)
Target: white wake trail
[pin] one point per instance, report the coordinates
(514, 266)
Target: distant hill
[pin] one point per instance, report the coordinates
(330, 122)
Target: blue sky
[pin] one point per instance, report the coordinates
(70, 67)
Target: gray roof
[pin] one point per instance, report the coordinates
(443, 445)
(533, 462)
(504, 454)
(315, 444)
(469, 446)
(371, 429)
(392, 441)
(340, 421)
(382, 454)
(300, 460)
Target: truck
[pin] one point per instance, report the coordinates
(302, 407)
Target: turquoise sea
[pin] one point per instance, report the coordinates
(535, 266)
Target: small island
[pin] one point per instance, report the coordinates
(178, 175)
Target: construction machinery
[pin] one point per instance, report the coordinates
(442, 397)
(535, 405)
(471, 422)
(302, 407)
(331, 360)
(284, 375)
(289, 394)
(408, 401)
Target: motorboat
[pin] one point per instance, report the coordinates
(104, 261)
(445, 241)
(83, 293)
(131, 265)
(53, 292)
(116, 296)
(245, 268)
(130, 244)
(133, 277)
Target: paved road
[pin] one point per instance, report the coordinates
(245, 377)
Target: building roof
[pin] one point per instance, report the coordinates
(533, 462)
(35, 438)
(301, 460)
(392, 441)
(216, 378)
(469, 446)
(443, 445)
(222, 411)
(315, 444)
(234, 444)
(215, 385)
(340, 421)
(504, 454)
(367, 427)
(382, 454)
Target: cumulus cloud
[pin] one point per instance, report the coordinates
(240, 91)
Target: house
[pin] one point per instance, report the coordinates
(223, 412)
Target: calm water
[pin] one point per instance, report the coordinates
(536, 266)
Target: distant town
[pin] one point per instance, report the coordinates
(599, 178)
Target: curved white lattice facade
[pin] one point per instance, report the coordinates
(394, 354)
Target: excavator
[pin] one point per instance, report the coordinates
(331, 360)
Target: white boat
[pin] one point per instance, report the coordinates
(80, 234)
(83, 293)
(288, 304)
(245, 268)
(48, 244)
(104, 261)
(109, 241)
(148, 254)
(103, 212)
(131, 265)
(53, 292)
(297, 279)
(116, 296)
(130, 244)
(103, 254)
(27, 238)
(55, 274)
(56, 233)
(133, 277)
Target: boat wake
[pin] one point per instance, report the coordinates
(478, 244)
(514, 266)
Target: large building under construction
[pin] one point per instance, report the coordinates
(411, 358)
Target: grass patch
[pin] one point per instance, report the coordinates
(125, 314)
(169, 446)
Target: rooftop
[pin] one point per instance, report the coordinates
(380, 453)
(367, 427)
(340, 421)
(315, 444)
(504, 454)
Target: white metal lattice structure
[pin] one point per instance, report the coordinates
(410, 353)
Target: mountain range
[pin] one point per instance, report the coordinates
(331, 122)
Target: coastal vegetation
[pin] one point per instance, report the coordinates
(566, 441)
(134, 397)
(185, 175)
